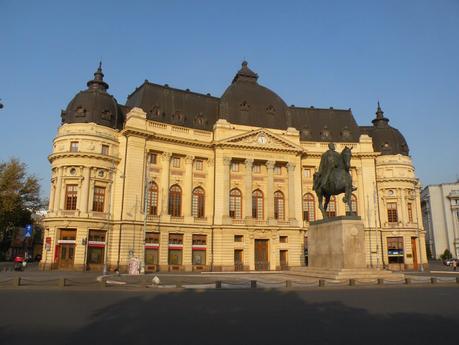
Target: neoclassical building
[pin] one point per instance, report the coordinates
(187, 181)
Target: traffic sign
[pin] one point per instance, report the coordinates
(28, 230)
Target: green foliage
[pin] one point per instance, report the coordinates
(19, 197)
(446, 255)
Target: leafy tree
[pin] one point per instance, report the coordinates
(19, 198)
(446, 255)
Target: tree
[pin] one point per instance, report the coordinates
(19, 198)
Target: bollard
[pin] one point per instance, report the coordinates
(253, 284)
(61, 282)
(380, 281)
(407, 280)
(434, 280)
(351, 282)
(17, 281)
(457, 280)
(321, 282)
(218, 284)
(288, 283)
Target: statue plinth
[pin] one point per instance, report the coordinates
(336, 250)
(337, 243)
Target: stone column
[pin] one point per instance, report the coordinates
(164, 189)
(226, 188)
(85, 190)
(403, 207)
(188, 186)
(291, 191)
(270, 190)
(52, 194)
(57, 195)
(248, 189)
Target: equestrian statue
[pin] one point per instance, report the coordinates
(333, 177)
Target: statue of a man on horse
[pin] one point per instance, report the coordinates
(333, 177)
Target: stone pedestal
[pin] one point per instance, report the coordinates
(336, 248)
(337, 243)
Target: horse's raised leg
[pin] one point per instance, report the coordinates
(321, 208)
(348, 199)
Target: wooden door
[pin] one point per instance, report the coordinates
(238, 260)
(66, 255)
(414, 253)
(284, 259)
(261, 255)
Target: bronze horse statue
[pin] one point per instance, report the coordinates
(333, 178)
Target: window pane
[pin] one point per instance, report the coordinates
(199, 257)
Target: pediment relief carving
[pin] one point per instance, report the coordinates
(262, 139)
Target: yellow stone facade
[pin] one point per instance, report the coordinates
(92, 158)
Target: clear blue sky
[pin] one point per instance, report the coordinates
(321, 53)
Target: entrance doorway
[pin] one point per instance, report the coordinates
(414, 252)
(261, 255)
(67, 248)
(283, 260)
(238, 260)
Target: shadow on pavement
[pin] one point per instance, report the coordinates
(247, 317)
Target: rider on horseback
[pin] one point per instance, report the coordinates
(328, 162)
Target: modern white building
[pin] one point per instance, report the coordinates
(440, 214)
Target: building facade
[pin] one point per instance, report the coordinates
(187, 181)
(440, 213)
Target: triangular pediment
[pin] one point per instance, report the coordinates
(261, 139)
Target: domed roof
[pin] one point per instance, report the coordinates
(246, 102)
(94, 105)
(386, 139)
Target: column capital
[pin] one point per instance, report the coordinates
(166, 156)
(270, 164)
(226, 161)
(291, 166)
(249, 162)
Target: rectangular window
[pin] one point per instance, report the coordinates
(71, 192)
(153, 157)
(96, 236)
(99, 199)
(307, 172)
(256, 168)
(392, 216)
(277, 170)
(105, 149)
(238, 238)
(410, 212)
(74, 146)
(175, 239)
(199, 257)
(96, 255)
(283, 239)
(152, 237)
(198, 164)
(235, 167)
(395, 251)
(199, 240)
(151, 256)
(175, 162)
(175, 257)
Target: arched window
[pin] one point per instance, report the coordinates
(309, 209)
(235, 204)
(197, 203)
(279, 209)
(331, 209)
(257, 204)
(353, 205)
(152, 199)
(175, 201)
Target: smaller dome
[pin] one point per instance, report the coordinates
(386, 139)
(94, 105)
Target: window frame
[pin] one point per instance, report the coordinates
(198, 202)
(175, 201)
(235, 204)
(257, 204)
(279, 205)
(71, 197)
(98, 199)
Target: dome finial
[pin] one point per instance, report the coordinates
(379, 112)
(380, 120)
(98, 81)
(245, 73)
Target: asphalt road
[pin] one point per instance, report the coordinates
(390, 315)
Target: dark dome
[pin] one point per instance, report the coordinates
(94, 105)
(246, 102)
(386, 139)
